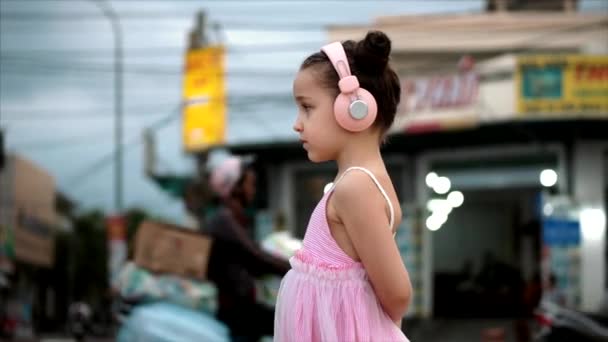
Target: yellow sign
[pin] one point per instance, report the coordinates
(204, 96)
(573, 85)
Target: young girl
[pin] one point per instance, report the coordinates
(348, 282)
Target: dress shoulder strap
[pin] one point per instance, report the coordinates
(371, 175)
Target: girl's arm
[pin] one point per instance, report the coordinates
(362, 209)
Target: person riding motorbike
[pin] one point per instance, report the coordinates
(236, 260)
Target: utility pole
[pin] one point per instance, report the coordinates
(117, 246)
(118, 135)
(173, 184)
(2, 155)
(112, 16)
(198, 35)
(198, 39)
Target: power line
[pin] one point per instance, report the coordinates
(250, 48)
(74, 113)
(233, 112)
(74, 117)
(527, 45)
(24, 67)
(532, 44)
(27, 61)
(87, 15)
(22, 17)
(99, 164)
(105, 160)
(79, 112)
(77, 141)
(153, 50)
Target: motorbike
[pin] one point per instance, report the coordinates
(168, 322)
(559, 324)
(79, 321)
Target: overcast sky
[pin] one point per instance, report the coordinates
(56, 85)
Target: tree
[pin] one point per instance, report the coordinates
(133, 217)
(90, 255)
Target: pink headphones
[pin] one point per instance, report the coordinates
(355, 108)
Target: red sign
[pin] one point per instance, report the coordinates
(117, 229)
(591, 73)
(439, 92)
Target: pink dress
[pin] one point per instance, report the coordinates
(326, 296)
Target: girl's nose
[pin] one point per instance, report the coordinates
(297, 126)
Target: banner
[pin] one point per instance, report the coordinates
(561, 246)
(34, 240)
(576, 85)
(204, 111)
(438, 103)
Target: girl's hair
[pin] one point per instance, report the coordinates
(368, 60)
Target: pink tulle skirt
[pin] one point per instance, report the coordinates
(328, 303)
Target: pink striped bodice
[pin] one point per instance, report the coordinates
(319, 246)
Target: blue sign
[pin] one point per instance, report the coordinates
(542, 82)
(561, 232)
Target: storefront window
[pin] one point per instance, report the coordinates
(488, 243)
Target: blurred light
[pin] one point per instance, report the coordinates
(442, 218)
(438, 205)
(293, 244)
(327, 187)
(431, 178)
(548, 178)
(593, 224)
(432, 223)
(548, 209)
(435, 221)
(455, 199)
(442, 185)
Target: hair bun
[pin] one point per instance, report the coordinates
(372, 52)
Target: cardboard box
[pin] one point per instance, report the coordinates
(165, 248)
(27, 212)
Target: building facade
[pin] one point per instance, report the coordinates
(511, 109)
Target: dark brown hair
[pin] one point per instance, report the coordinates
(368, 60)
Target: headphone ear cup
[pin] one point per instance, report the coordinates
(344, 117)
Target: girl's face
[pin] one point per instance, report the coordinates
(319, 132)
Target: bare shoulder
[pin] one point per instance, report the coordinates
(357, 194)
(354, 188)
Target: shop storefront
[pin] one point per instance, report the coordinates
(506, 163)
(483, 225)
(28, 221)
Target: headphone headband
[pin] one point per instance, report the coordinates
(336, 54)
